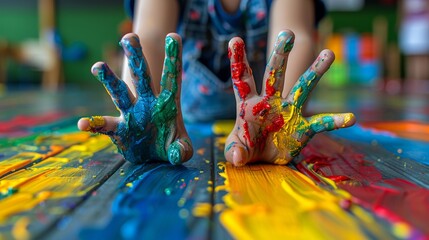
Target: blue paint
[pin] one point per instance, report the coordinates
(150, 209)
(230, 146)
(148, 129)
(412, 149)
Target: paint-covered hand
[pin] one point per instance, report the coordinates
(269, 127)
(150, 126)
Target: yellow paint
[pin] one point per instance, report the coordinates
(52, 178)
(20, 229)
(223, 127)
(402, 230)
(298, 93)
(275, 202)
(347, 118)
(67, 139)
(285, 139)
(218, 207)
(95, 122)
(181, 202)
(58, 143)
(202, 210)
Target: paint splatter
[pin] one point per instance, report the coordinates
(140, 211)
(397, 200)
(276, 202)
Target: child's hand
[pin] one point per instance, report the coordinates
(269, 127)
(151, 125)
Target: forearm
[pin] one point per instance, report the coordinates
(297, 16)
(152, 22)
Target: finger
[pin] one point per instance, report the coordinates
(180, 151)
(99, 124)
(138, 66)
(236, 152)
(171, 74)
(309, 79)
(117, 89)
(276, 67)
(241, 73)
(328, 122)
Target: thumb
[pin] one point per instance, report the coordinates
(180, 151)
(236, 153)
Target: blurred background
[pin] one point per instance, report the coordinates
(379, 44)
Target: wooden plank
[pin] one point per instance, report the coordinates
(392, 187)
(219, 231)
(41, 194)
(154, 199)
(279, 202)
(70, 102)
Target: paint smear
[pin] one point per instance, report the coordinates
(156, 199)
(411, 148)
(53, 177)
(20, 125)
(399, 201)
(266, 201)
(406, 129)
(42, 148)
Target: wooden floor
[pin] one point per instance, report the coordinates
(369, 181)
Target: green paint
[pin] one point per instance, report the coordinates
(10, 191)
(167, 191)
(306, 84)
(229, 146)
(284, 43)
(174, 153)
(326, 123)
(165, 110)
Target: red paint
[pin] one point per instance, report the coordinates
(243, 88)
(269, 89)
(238, 67)
(261, 108)
(204, 89)
(339, 178)
(237, 70)
(247, 134)
(276, 124)
(396, 200)
(21, 125)
(407, 202)
(330, 158)
(238, 51)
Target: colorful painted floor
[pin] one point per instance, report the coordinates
(370, 181)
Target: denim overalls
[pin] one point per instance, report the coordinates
(206, 29)
(207, 90)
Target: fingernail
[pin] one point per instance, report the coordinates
(237, 52)
(284, 43)
(171, 47)
(174, 153)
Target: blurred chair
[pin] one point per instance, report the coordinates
(41, 54)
